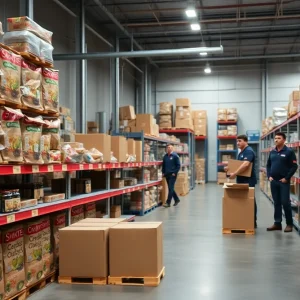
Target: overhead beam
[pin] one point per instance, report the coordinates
(26, 8)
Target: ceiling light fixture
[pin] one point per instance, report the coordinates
(195, 26)
(203, 53)
(207, 69)
(191, 13)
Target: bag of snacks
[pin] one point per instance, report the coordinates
(52, 128)
(31, 85)
(71, 155)
(47, 247)
(31, 138)
(12, 138)
(10, 74)
(50, 90)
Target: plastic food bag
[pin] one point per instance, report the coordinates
(46, 51)
(96, 154)
(51, 128)
(112, 158)
(50, 90)
(70, 155)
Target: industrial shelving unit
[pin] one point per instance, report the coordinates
(291, 128)
(224, 139)
(186, 136)
(201, 148)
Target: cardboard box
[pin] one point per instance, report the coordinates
(238, 207)
(184, 123)
(131, 146)
(138, 151)
(144, 122)
(79, 224)
(222, 175)
(92, 124)
(115, 211)
(65, 111)
(234, 164)
(116, 183)
(127, 113)
(166, 108)
(183, 102)
(128, 123)
(155, 130)
(138, 241)
(164, 191)
(119, 148)
(295, 96)
(199, 122)
(92, 245)
(103, 220)
(199, 114)
(100, 141)
(200, 129)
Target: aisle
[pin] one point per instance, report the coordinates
(201, 263)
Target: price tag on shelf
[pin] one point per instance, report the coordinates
(124, 192)
(34, 213)
(16, 169)
(91, 167)
(113, 165)
(99, 166)
(64, 168)
(50, 168)
(10, 218)
(81, 167)
(146, 186)
(104, 166)
(35, 169)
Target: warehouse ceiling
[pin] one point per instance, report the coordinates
(245, 28)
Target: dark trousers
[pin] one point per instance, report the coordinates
(171, 183)
(281, 197)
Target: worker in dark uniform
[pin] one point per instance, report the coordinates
(246, 155)
(170, 169)
(281, 166)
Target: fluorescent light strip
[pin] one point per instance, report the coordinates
(203, 53)
(191, 13)
(195, 26)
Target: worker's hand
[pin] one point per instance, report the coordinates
(173, 174)
(283, 180)
(271, 179)
(232, 176)
(226, 169)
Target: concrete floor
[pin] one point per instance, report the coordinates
(201, 263)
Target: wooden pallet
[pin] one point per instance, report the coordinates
(20, 296)
(235, 231)
(199, 181)
(137, 281)
(35, 59)
(82, 280)
(10, 104)
(40, 284)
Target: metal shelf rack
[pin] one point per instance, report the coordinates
(201, 148)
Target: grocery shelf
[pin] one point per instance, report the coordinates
(46, 208)
(176, 131)
(227, 122)
(228, 137)
(31, 169)
(200, 138)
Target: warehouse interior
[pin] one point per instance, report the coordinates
(241, 54)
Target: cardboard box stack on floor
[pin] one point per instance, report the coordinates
(200, 122)
(165, 115)
(127, 119)
(200, 170)
(182, 185)
(183, 114)
(238, 207)
(164, 191)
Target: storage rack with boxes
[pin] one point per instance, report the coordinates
(291, 128)
(227, 131)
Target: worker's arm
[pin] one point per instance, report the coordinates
(242, 168)
(163, 166)
(177, 164)
(269, 168)
(293, 166)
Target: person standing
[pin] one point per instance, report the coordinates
(246, 155)
(281, 166)
(170, 169)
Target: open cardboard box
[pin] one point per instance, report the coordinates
(234, 164)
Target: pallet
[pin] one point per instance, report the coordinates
(10, 104)
(235, 231)
(199, 181)
(137, 281)
(35, 59)
(20, 296)
(82, 280)
(40, 284)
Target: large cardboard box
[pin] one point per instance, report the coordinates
(166, 108)
(165, 121)
(200, 129)
(183, 102)
(295, 96)
(119, 148)
(183, 114)
(139, 151)
(100, 141)
(144, 122)
(238, 206)
(199, 114)
(164, 191)
(199, 122)
(79, 224)
(103, 220)
(83, 251)
(131, 146)
(127, 113)
(234, 164)
(115, 211)
(155, 130)
(137, 241)
(188, 123)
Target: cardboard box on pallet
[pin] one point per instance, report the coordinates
(127, 113)
(148, 242)
(100, 141)
(138, 151)
(199, 115)
(131, 146)
(115, 211)
(183, 115)
(187, 123)
(165, 121)
(183, 102)
(198, 122)
(91, 243)
(238, 207)
(144, 122)
(166, 108)
(164, 191)
(155, 130)
(200, 129)
(119, 148)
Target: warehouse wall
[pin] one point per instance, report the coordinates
(46, 13)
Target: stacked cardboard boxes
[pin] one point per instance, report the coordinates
(127, 118)
(92, 127)
(200, 122)
(294, 103)
(182, 185)
(238, 207)
(164, 191)
(200, 170)
(183, 114)
(146, 123)
(227, 114)
(229, 130)
(165, 115)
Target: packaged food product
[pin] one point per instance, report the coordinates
(12, 134)
(31, 138)
(31, 85)
(46, 51)
(90, 210)
(51, 128)
(50, 90)
(10, 75)
(48, 264)
(77, 214)
(2, 290)
(58, 222)
(25, 23)
(33, 237)
(13, 259)
(70, 155)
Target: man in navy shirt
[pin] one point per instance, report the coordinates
(246, 155)
(170, 169)
(281, 166)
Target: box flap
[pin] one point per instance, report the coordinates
(237, 186)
